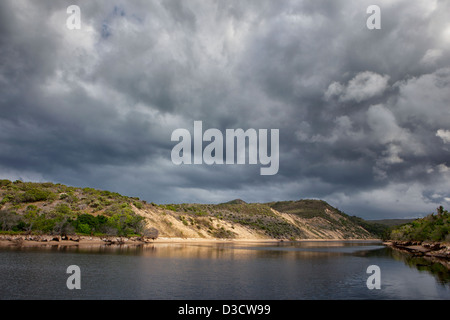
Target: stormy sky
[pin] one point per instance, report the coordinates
(363, 115)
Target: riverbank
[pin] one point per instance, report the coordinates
(38, 240)
(435, 251)
(49, 240)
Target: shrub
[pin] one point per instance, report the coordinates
(88, 219)
(63, 209)
(169, 207)
(33, 195)
(95, 205)
(21, 226)
(4, 183)
(64, 226)
(83, 228)
(32, 209)
(151, 233)
(44, 224)
(8, 220)
(7, 198)
(126, 223)
(138, 205)
(119, 208)
(221, 233)
(183, 219)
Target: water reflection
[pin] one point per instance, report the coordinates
(437, 269)
(229, 270)
(225, 250)
(83, 249)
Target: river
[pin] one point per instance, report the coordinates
(228, 271)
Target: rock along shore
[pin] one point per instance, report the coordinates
(71, 240)
(437, 251)
(31, 240)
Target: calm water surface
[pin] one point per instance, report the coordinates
(230, 271)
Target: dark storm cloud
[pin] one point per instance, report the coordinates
(363, 114)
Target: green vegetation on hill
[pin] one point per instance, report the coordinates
(434, 227)
(390, 222)
(315, 218)
(237, 212)
(378, 229)
(309, 209)
(49, 208)
(305, 208)
(236, 201)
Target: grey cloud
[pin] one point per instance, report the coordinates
(362, 114)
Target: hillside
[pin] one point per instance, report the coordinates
(427, 237)
(47, 208)
(433, 227)
(391, 222)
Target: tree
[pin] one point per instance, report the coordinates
(151, 233)
(64, 227)
(440, 210)
(8, 220)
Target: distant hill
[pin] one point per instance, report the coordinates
(50, 208)
(315, 212)
(236, 201)
(391, 222)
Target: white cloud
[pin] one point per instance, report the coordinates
(443, 168)
(363, 86)
(431, 56)
(444, 135)
(383, 124)
(424, 99)
(334, 89)
(392, 154)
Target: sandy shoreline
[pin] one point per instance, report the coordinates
(27, 241)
